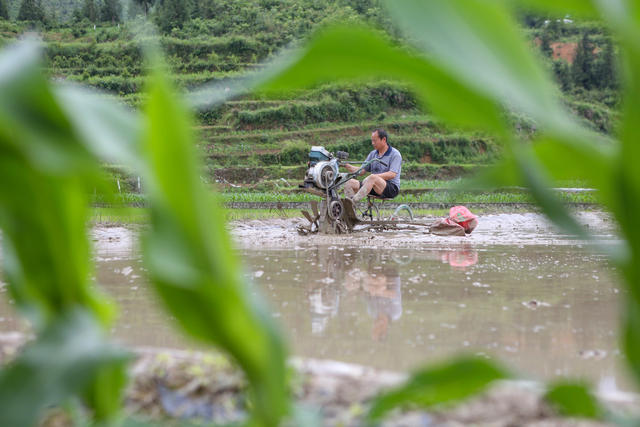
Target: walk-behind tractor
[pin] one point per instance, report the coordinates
(336, 215)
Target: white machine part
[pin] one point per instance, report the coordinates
(323, 173)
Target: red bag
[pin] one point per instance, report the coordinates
(464, 217)
(446, 227)
(460, 222)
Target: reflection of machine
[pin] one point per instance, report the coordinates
(324, 304)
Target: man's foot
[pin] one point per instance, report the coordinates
(353, 202)
(350, 209)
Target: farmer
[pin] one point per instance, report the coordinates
(384, 180)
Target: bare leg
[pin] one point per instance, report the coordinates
(351, 187)
(370, 182)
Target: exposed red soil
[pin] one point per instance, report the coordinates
(426, 158)
(565, 51)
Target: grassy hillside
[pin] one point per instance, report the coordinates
(259, 141)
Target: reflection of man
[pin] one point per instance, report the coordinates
(324, 304)
(384, 180)
(383, 296)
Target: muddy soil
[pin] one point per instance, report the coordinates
(178, 383)
(498, 229)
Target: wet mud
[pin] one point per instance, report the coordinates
(516, 289)
(497, 229)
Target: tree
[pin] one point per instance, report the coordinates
(545, 43)
(145, 5)
(31, 10)
(208, 8)
(582, 70)
(554, 27)
(4, 12)
(90, 10)
(606, 67)
(562, 74)
(111, 11)
(171, 13)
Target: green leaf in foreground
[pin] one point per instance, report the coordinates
(477, 42)
(191, 261)
(574, 400)
(353, 52)
(561, 8)
(65, 359)
(450, 381)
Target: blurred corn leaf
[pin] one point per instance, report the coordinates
(69, 355)
(623, 19)
(51, 143)
(439, 384)
(573, 400)
(110, 131)
(43, 212)
(46, 251)
(476, 47)
(354, 52)
(561, 8)
(455, 34)
(191, 261)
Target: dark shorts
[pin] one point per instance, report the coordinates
(390, 191)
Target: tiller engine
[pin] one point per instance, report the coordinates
(333, 215)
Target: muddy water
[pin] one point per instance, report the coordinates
(547, 311)
(546, 307)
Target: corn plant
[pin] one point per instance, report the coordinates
(53, 140)
(469, 64)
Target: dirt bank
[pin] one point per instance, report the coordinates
(178, 384)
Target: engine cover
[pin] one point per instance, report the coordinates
(323, 174)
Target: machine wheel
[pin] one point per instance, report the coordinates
(335, 210)
(371, 213)
(327, 176)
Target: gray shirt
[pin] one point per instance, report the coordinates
(392, 158)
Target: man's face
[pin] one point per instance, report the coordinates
(376, 141)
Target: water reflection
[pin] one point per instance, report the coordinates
(544, 310)
(375, 281)
(461, 257)
(324, 301)
(382, 292)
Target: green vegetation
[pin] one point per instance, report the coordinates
(4, 11)
(56, 139)
(469, 84)
(119, 215)
(31, 10)
(207, 41)
(448, 197)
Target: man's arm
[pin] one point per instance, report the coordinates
(352, 168)
(388, 175)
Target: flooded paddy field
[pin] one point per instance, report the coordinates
(516, 289)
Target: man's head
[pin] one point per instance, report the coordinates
(379, 139)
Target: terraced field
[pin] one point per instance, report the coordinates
(260, 146)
